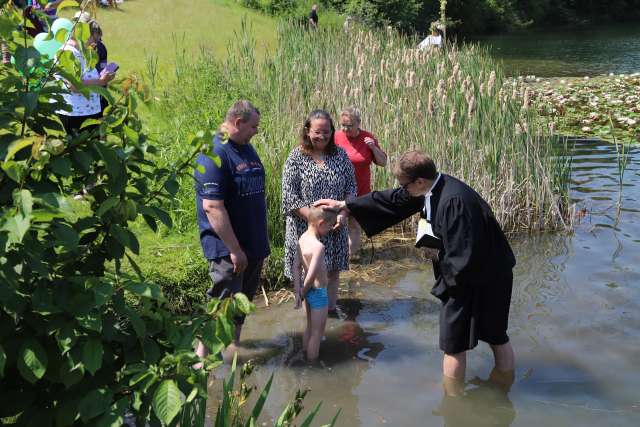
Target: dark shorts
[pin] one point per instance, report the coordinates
(225, 283)
(478, 312)
(72, 124)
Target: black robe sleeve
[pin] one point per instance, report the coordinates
(380, 210)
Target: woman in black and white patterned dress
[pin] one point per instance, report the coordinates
(317, 169)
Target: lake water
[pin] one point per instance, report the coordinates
(579, 52)
(574, 324)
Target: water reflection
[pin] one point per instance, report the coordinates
(576, 52)
(482, 405)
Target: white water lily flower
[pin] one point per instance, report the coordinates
(586, 129)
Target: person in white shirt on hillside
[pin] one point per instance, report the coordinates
(432, 41)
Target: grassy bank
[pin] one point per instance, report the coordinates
(456, 105)
(139, 30)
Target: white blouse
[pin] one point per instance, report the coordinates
(80, 105)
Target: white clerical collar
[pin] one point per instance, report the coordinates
(433, 185)
(427, 199)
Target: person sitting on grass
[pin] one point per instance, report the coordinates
(310, 255)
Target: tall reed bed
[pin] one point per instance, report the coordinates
(454, 104)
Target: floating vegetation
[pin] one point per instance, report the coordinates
(604, 107)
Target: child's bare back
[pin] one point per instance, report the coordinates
(312, 251)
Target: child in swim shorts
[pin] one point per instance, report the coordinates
(310, 255)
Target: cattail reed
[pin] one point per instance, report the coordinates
(431, 106)
(392, 84)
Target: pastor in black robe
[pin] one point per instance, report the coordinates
(473, 271)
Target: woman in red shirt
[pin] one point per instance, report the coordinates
(363, 149)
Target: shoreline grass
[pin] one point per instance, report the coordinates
(451, 104)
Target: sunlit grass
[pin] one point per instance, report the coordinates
(140, 29)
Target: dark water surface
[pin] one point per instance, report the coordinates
(578, 52)
(575, 326)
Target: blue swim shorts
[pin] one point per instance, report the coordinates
(317, 298)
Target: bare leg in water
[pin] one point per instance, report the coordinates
(454, 368)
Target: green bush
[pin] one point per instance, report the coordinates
(80, 344)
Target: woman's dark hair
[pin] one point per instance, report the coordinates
(305, 142)
(94, 28)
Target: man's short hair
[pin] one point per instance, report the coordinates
(242, 109)
(316, 214)
(415, 164)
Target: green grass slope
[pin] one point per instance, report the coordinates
(139, 29)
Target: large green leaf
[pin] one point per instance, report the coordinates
(171, 185)
(157, 213)
(65, 4)
(82, 32)
(17, 226)
(92, 352)
(243, 303)
(209, 338)
(126, 238)
(18, 145)
(110, 158)
(115, 416)
(166, 401)
(65, 236)
(95, 403)
(16, 170)
(24, 199)
(107, 205)
(26, 58)
(32, 360)
(138, 324)
(224, 329)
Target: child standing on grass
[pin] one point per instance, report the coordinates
(310, 255)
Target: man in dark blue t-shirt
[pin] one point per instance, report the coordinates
(232, 210)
